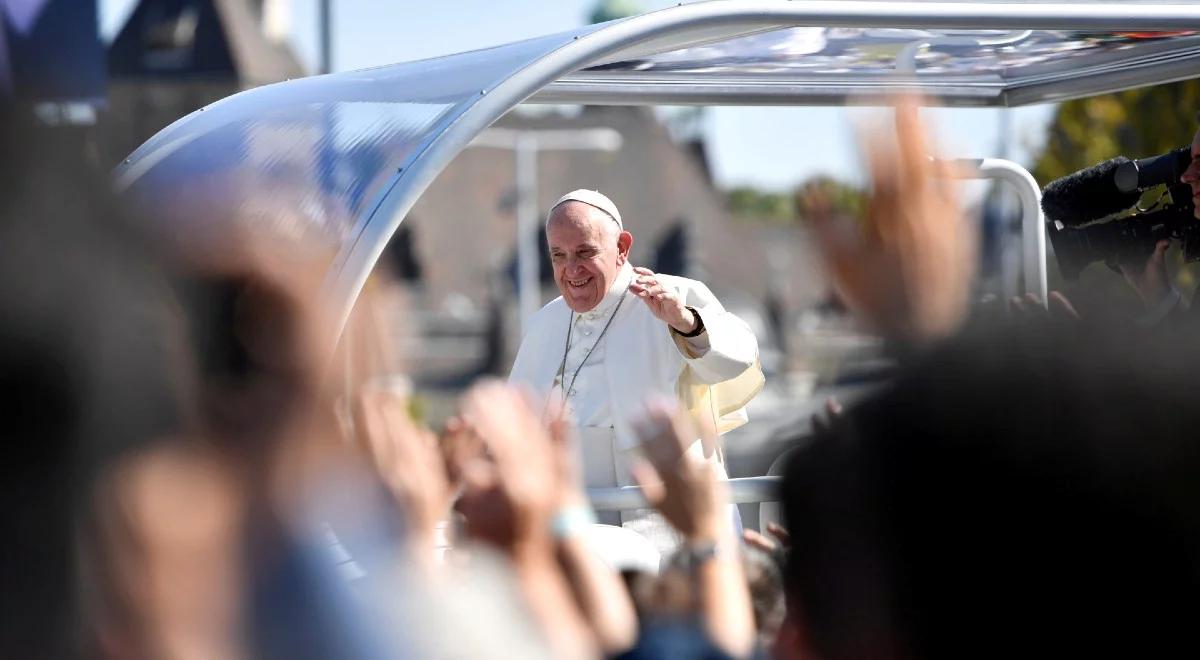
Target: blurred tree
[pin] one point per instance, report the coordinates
(1135, 123)
(752, 203)
(838, 197)
(611, 10)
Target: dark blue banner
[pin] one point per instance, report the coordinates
(50, 50)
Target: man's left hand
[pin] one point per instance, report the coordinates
(664, 303)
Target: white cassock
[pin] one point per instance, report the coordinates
(638, 358)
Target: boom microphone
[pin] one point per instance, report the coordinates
(1087, 195)
(1143, 173)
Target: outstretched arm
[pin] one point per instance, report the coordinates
(717, 344)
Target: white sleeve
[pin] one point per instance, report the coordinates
(727, 348)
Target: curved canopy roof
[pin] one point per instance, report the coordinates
(822, 66)
(343, 157)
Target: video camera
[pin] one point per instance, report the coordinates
(1095, 213)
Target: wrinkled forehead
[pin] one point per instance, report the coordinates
(573, 223)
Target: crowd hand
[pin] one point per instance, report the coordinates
(665, 304)
(599, 591)
(779, 540)
(407, 459)
(521, 474)
(679, 484)
(1150, 280)
(908, 273)
(822, 424)
(511, 497)
(685, 490)
(471, 443)
(1030, 306)
(460, 447)
(565, 459)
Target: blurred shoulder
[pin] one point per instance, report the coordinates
(544, 318)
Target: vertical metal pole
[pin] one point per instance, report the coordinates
(528, 284)
(326, 63)
(1010, 256)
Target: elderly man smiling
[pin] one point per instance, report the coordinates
(621, 336)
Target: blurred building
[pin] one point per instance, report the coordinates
(51, 60)
(174, 56)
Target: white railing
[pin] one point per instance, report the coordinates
(744, 490)
(1033, 224)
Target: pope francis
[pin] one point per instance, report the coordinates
(620, 336)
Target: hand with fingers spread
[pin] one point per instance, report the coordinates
(908, 274)
(1150, 279)
(531, 475)
(407, 459)
(664, 303)
(682, 486)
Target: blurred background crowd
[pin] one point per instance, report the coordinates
(192, 471)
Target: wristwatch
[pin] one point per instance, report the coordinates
(692, 555)
(698, 330)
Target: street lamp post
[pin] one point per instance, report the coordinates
(526, 144)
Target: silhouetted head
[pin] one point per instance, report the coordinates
(1027, 489)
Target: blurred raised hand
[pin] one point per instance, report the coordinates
(908, 272)
(685, 490)
(512, 489)
(681, 485)
(407, 459)
(516, 470)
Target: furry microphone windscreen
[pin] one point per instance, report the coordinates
(1087, 195)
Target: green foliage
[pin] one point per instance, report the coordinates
(1135, 123)
(835, 197)
(752, 203)
(611, 10)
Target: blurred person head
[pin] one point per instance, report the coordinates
(259, 340)
(92, 367)
(588, 246)
(1026, 489)
(1191, 175)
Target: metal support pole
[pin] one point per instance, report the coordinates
(1033, 226)
(529, 286)
(323, 24)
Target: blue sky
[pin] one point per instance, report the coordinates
(766, 146)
